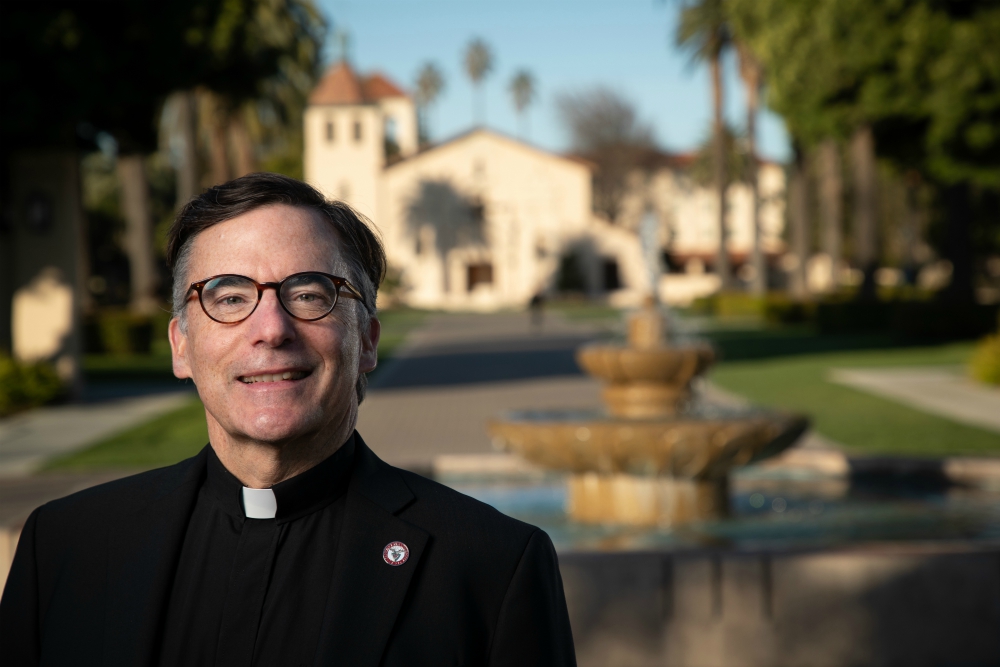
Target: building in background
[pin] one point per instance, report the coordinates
(485, 221)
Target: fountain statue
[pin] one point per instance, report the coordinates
(657, 456)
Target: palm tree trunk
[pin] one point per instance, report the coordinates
(865, 211)
(798, 213)
(719, 165)
(214, 121)
(759, 283)
(187, 121)
(242, 145)
(831, 192)
(958, 205)
(138, 233)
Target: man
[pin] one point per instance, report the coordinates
(286, 541)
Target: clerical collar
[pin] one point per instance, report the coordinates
(296, 497)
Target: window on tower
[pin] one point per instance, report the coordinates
(357, 130)
(329, 131)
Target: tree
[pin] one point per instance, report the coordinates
(914, 82)
(76, 70)
(829, 171)
(605, 128)
(430, 83)
(705, 32)
(478, 65)
(752, 75)
(522, 91)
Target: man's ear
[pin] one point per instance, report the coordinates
(369, 346)
(179, 349)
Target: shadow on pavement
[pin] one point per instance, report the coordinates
(499, 362)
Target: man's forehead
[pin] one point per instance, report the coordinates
(277, 238)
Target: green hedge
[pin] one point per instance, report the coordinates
(912, 316)
(908, 320)
(985, 362)
(122, 332)
(25, 386)
(774, 307)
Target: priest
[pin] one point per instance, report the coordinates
(286, 541)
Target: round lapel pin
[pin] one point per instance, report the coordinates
(395, 553)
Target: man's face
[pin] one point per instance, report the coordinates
(227, 361)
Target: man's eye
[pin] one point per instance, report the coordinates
(306, 297)
(230, 300)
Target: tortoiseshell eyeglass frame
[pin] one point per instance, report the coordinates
(342, 285)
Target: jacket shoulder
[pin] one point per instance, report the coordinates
(438, 505)
(111, 499)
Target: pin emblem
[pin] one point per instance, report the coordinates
(395, 553)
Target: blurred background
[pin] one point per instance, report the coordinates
(813, 189)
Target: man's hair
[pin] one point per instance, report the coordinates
(361, 250)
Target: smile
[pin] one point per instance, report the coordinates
(273, 377)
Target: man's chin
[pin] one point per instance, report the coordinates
(277, 429)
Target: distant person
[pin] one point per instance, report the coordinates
(286, 541)
(537, 308)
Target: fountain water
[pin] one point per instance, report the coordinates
(657, 456)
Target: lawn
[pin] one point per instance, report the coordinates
(862, 422)
(167, 439)
(181, 433)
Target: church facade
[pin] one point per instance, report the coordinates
(484, 221)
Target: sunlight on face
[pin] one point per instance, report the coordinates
(271, 378)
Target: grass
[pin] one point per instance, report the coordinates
(165, 440)
(182, 433)
(862, 422)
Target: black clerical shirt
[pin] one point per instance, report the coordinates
(253, 591)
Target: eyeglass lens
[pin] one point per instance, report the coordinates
(308, 296)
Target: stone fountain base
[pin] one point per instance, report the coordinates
(644, 501)
(646, 472)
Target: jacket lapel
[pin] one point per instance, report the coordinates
(143, 552)
(366, 593)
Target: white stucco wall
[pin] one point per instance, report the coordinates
(688, 212)
(534, 203)
(345, 168)
(404, 113)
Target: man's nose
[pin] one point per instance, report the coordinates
(270, 323)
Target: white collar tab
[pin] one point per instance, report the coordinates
(259, 503)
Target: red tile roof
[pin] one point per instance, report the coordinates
(341, 85)
(377, 86)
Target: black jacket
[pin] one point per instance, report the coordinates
(92, 573)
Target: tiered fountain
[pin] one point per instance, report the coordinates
(657, 456)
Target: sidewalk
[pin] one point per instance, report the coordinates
(456, 372)
(944, 391)
(28, 440)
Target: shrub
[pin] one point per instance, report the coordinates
(25, 386)
(985, 362)
(122, 332)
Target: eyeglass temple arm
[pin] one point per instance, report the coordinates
(351, 292)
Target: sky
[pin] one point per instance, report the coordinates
(567, 45)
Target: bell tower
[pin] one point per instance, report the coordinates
(346, 127)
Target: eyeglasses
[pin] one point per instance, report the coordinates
(308, 296)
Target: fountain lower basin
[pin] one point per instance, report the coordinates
(646, 472)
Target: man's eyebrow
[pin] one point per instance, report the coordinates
(225, 280)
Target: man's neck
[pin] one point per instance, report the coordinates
(261, 465)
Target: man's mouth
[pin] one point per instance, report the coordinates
(273, 377)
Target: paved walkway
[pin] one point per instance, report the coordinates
(29, 439)
(457, 372)
(941, 390)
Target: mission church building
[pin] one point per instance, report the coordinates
(482, 220)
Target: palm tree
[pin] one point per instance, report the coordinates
(704, 31)
(430, 83)
(522, 89)
(752, 73)
(478, 64)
